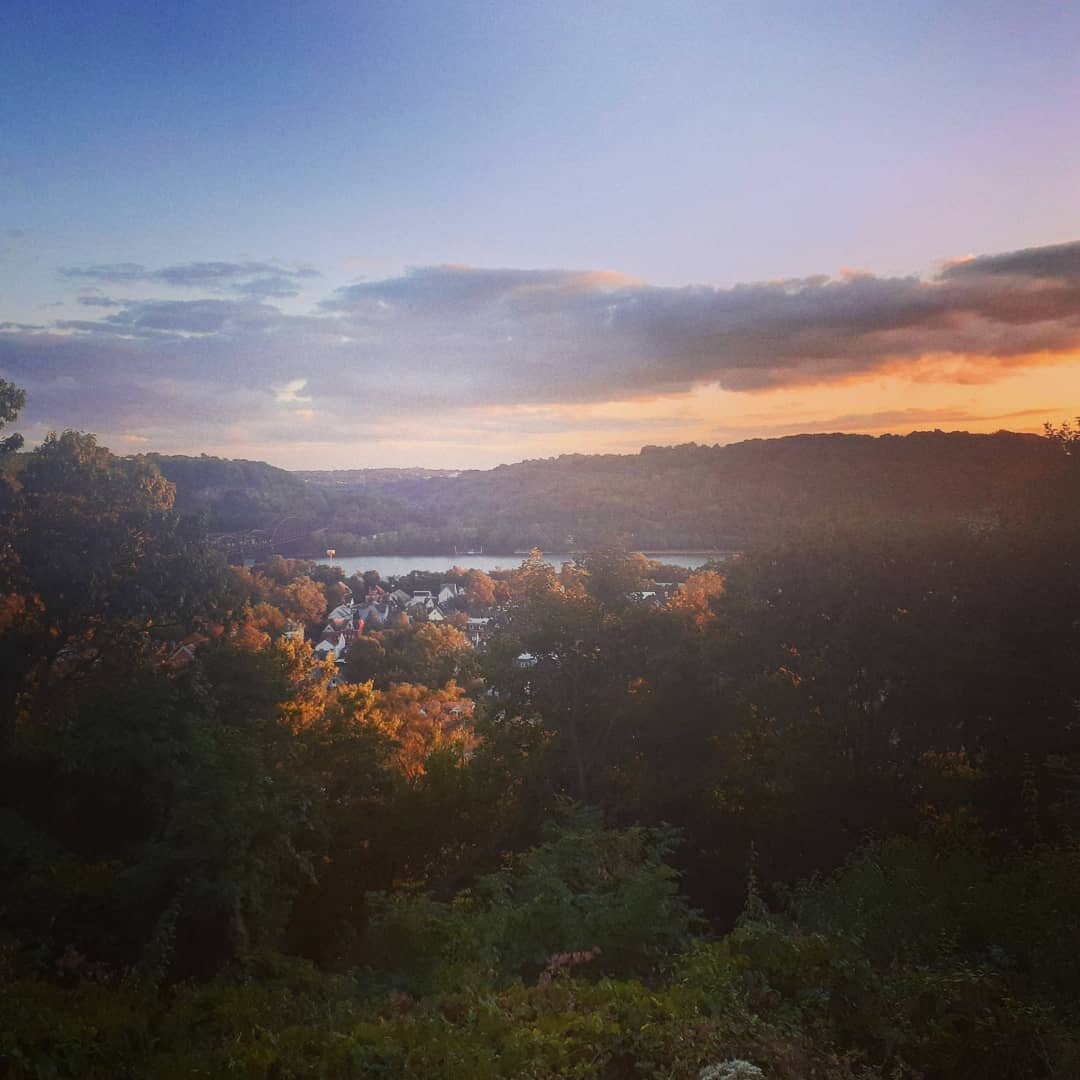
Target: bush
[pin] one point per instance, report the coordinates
(926, 904)
(586, 889)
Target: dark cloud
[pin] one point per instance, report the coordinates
(274, 287)
(444, 337)
(196, 274)
(248, 277)
(114, 272)
(97, 300)
(192, 316)
(1060, 261)
(557, 336)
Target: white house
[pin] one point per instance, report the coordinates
(449, 592)
(331, 645)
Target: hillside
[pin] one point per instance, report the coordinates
(663, 497)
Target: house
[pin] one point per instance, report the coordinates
(400, 597)
(332, 644)
(477, 630)
(371, 615)
(342, 613)
(449, 592)
(435, 615)
(183, 654)
(294, 631)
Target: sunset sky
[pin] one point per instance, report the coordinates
(336, 235)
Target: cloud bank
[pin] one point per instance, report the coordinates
(450, 337)
(255, 279)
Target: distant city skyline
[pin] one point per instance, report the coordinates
(350, 235)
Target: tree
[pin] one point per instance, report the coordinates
(366, 658)
(12, 400)
(96, 538)
(431, 654)
(695, 599)
(303, 600)
(135, 789)
(421, 721)
(479, 590)
(1066, 436)
(614, 574)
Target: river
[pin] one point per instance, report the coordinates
(396, 565)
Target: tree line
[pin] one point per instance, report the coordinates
(664, 498)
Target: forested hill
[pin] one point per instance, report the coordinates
(238, 495)
(687, 496)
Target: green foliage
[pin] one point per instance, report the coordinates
(589, 887)
(50, 1032)
(95, 537)
(431, 654)
(585, 888)
(240, 495)
(422, 946)
(928, 903)
(138, 788)
(290, 1022)
(12, 400)
(281, 1018)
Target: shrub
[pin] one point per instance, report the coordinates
(585, 889)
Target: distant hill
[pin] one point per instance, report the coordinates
(237, 495)
(349, 478)
(663, 497)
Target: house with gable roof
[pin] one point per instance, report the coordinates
(448, 592)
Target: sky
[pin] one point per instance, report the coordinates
(338, 235)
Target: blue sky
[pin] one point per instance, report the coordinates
(317, 149)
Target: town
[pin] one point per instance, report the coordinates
(477, 606)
